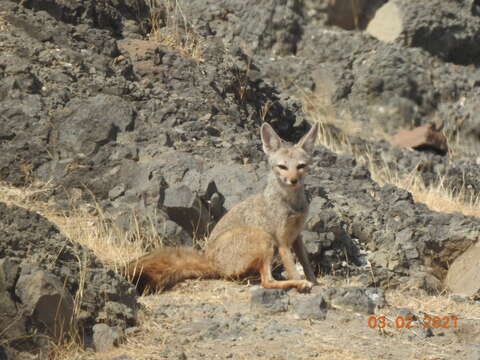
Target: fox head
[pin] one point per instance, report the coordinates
(289, 162)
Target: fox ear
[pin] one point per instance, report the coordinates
(270, 140)
(307, 142)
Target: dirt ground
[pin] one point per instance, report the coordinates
(214, 320)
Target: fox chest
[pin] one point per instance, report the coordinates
(290, 228)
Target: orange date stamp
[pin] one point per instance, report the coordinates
(411, 322)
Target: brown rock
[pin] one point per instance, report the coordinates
(422, 138)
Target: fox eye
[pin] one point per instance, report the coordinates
(301, 166)
(283, 167)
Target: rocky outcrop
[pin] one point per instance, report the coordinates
(447, 29)
(52, 288)
(169, 140)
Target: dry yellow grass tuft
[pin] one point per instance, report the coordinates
(436, 305)
(171, 28)
(87, 226)
(437, 196)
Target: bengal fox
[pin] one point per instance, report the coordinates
(245, 239)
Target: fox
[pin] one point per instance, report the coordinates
(245, 240)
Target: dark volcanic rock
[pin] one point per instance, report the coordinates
(447, 29)
(76, 113)
(404, 237)
(268, 26)
(135, 124)
(48, 284)
(112, 15)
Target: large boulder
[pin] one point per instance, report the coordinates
(52, 288)
(445, 28)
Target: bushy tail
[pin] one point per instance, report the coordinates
(166, 267)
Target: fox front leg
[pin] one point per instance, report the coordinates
(301, 252)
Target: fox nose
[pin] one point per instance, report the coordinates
(294, 181)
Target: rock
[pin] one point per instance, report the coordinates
(111, 116)
(351, 15)
(463, 277)
(399, 247)
(269, 300)
(45, 301)
(419, 25)
(355, 299)
(186, 209)
(422, 138)
(105, 338)
(8, 307)
(314, 308)
(426, 281)
(387, 23)
(274, 26)
(108, 15)
(235, 182)
(39, 301)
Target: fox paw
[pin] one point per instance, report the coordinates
(304, 286)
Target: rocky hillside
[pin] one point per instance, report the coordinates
(149, 111)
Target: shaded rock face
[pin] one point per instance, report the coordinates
(50, 286)
(111, 15)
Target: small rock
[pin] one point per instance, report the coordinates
(356, 299)
(269, 300)
(116, 192)
(45, 299)
(105, 338)
(315, 307)
(185, 208)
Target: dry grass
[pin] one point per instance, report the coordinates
(437, 197)
(439, 305)
(171, 28)
(91, 229)
(87, 226)
(319, 108)
(335, 130)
